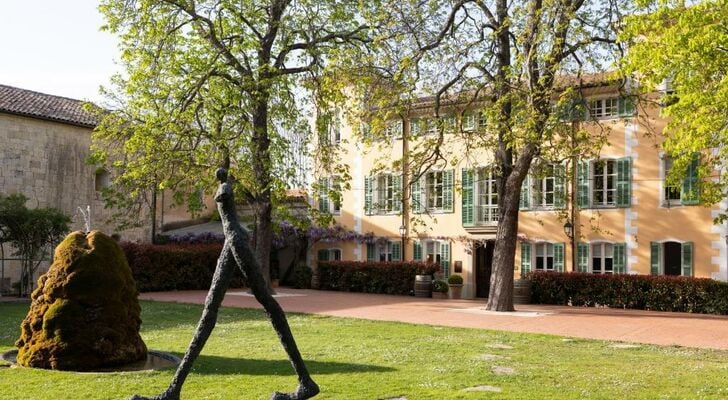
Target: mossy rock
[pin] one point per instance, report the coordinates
(84, 315)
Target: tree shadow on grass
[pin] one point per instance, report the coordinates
(216, 365)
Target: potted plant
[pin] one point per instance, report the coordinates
(455, 282)
(439, 289)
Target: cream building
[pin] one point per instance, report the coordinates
(627, 219)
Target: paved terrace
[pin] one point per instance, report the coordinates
(651, 327)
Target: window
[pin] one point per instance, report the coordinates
(387, 194)
(604, 192)
(436, 251)
(544, 256)
(384, 251)
(329, 195)
(102, 179)
(685, 191)
(604, 108)
(329, 255)
(383, 194)
(487, 197)
(611, 107)
(393, 128)
(544, 188)
(671, 258)
(604, 183)
(449, 123)
(602, 258)
(434, 190)
(469, 121)
(672, 191)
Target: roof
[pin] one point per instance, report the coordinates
(45, 106)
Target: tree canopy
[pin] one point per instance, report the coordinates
(681, 50)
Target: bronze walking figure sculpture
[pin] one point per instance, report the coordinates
(236, 250)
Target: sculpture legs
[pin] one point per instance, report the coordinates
(223, 272)
(237, 251)
(244, 257)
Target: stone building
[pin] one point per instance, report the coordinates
(44, 144)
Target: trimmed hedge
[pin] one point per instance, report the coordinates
(175, 267)
(372, 277)
(643, 292)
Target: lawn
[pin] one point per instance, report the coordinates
(358, 359)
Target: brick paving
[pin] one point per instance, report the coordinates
(635, 326)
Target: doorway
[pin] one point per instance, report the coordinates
(672, 260)
(483, 268)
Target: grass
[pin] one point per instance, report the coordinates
(357, 359)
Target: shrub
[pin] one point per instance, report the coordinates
(644, 292)
(302, 276)
(175, 267)
(372, 277)
(455, 279)
(439, 286)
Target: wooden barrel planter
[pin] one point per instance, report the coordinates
(423, 285)
(521, 291)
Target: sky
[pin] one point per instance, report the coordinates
(56, 47)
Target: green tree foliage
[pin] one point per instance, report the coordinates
(31, 232)
(512, 61)
(682, 50)
(219, 83)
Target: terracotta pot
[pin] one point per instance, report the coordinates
(456, 291)
(439, 295)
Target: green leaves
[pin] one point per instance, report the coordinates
(682, 52)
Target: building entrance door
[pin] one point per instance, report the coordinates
(483, 261)
(672, 260)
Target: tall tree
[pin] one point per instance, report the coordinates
(683, 52)
(215, 83)
(512, 60)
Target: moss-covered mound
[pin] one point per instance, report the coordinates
(84, 314)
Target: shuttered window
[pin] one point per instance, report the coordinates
(525, 258)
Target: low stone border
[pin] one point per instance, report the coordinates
(155, 360)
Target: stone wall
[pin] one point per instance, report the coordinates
(46, 162)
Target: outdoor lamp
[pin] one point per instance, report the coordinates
(569, 229)
(402, 230)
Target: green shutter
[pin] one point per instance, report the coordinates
(371, 250)
(323, 255)
(397, 206)
(626, 106)
(417, 250)
(447, 189)
(620, 258)
(582, 184)
(655, 258)
(624, 192)
(525, 200)
(525, 258)
(323, 205)
(468, 206)
(368, 198)
(445, 258)
(690, 194)
(559, 186)
(396, 251)
(687, 259)
(417, 206)
(559, 257)
(582, 250)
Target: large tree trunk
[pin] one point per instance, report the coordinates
(501, 279)
(261, 162)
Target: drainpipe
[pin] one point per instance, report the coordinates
(405, 184)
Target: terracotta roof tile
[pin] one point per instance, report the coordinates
(45, 106)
